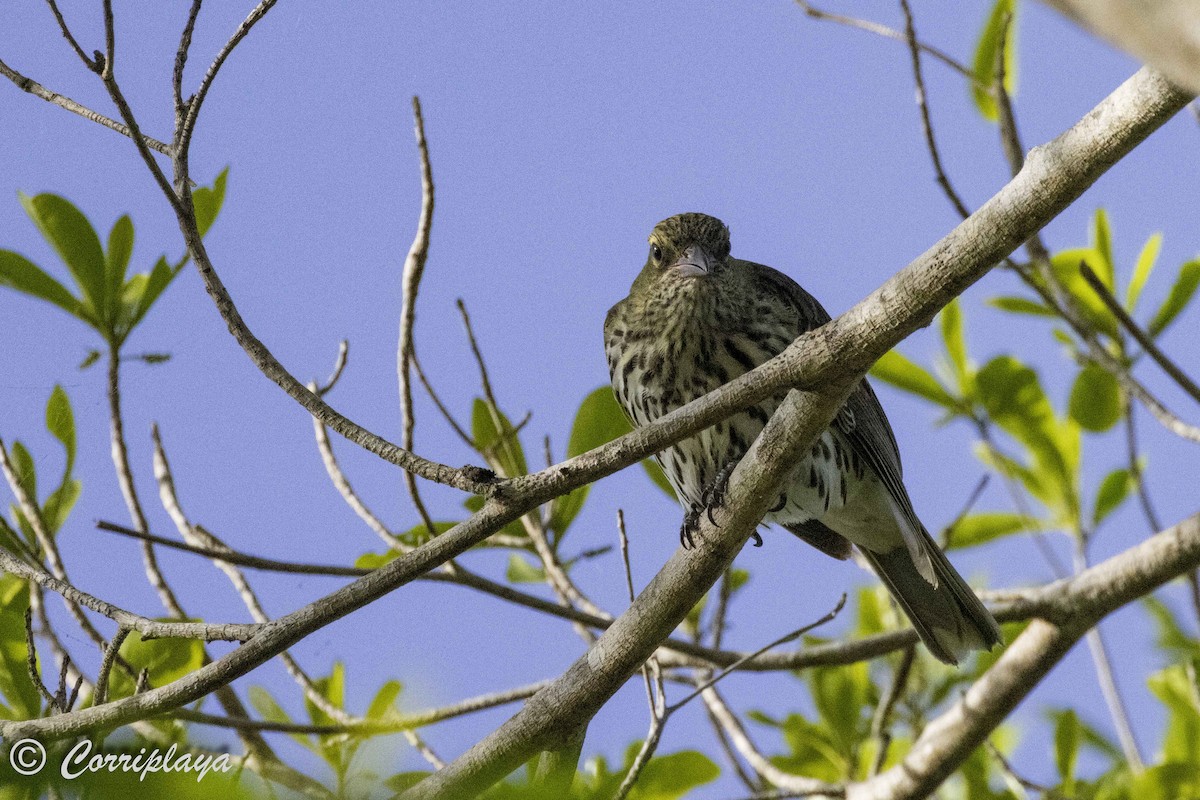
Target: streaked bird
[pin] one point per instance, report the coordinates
(695, 318)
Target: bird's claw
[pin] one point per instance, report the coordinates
(757, 539)
(691, 522)
(714, 494)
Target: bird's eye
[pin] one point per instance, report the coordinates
(656, 253)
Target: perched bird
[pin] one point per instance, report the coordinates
(696, 318)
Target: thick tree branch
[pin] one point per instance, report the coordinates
(1084, 600)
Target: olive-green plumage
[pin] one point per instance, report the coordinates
(696, 318)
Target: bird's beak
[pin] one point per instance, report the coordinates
(694, 261)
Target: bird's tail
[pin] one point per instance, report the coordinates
(948, 616)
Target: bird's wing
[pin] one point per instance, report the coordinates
(861, 419)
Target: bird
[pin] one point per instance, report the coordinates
(696, 318)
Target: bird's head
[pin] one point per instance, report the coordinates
(688, 245)
(685, 250)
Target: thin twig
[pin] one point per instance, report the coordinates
(1170, 367)
(437, 401)
(910, 35)
(100, 696)
(1012, 773)
(183, 132)
(424, 749)
(888, 33)
(880, 722)
(758, 762)
(70, 37)
(32, 662)
(791, 637)
(396, 724)
(410, 282)
(181, 55)
(658, 723)
(120, 457)
(34, 88)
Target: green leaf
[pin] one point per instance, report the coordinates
(598, 421)
(672, 776)
(116, 257)
(18, 272)
(975, 529)
(1022, 305)
(60, 421)
(1177, 643)
(21, 699)
(986, 58)
(1095, 399)
(1181, 294)
(813, 751)
(955, 340)
(384, 703)
(841, 694)
(208, 201)
(271, 711)
(1066, 748)
(1141, 271)
(333, 688)
(143, 289)
(91, 358)
(1013, 397)
(1102, 244)
(521, 571)
(26, 471)
(59, 504)
(1173, 687)
(1066, 266)
(498, 440)
(898, 370)
(70, 234)
(1113, 490)
(405, 780)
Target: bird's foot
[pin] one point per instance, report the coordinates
(691, 523)
(782, 504)
(714, 494)
(757, 539)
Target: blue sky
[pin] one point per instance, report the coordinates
(559, 134)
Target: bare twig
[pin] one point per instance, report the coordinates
(880, 722)
(1170, 367)
(184, 131)
(100, 696)
(886, 32)
(791, 785)
(31, 661)
(34, 88)
(791, 637)
(181, 55)
(70, 37)
(441, 407)
(120, 457)
(149, 628)
(394, 724)
(910, 35)
(410, 282)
